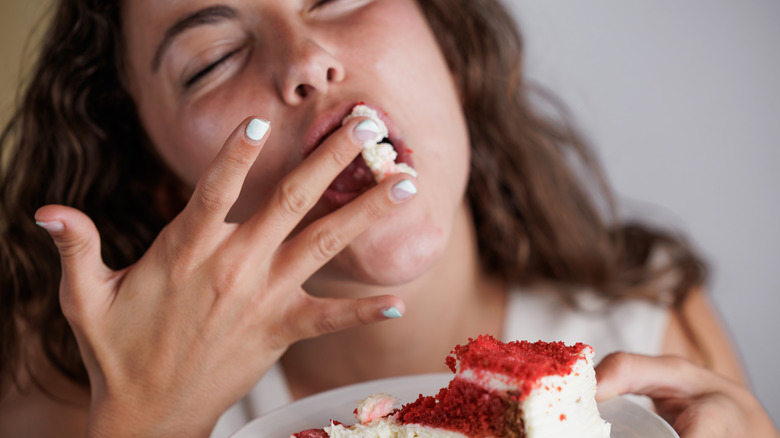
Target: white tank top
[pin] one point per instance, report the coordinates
(631, 326)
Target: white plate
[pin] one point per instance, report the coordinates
(628, 419)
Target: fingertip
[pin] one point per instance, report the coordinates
(52, 227)
(52, 218)
(391, 307)
(403, 190)
(257, 129)
(366, 131)
(392, 312)
(73, 231)
(609, 375)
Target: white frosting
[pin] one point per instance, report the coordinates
(559, 406)
(375, 407)
(566, 405)
(379, 156)
(389, 428)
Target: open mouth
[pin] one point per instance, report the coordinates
(357, 177)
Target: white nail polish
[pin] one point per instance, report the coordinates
(367, 130)
(52, 226)
(404, 190)
(256, 129)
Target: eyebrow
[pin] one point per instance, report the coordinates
(200, 17)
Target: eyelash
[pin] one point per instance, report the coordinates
(209, 68)
(320, 3)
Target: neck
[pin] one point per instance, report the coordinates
(451, 302)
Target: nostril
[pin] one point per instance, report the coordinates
(331, 74)
(302, 90)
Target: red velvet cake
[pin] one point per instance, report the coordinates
(516, 389)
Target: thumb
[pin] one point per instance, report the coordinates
(78, 243)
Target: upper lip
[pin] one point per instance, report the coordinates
(330, 120)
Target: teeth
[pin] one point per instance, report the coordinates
(379, 155)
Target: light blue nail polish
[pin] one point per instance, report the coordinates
(256, 129)
(392, 312)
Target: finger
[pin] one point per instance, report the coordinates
(326, 237)
(657, 377)
(220, 185)
(319, 316)
(697, 402)
(78, 243)
(300, 190)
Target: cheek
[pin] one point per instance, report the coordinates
(190, 137)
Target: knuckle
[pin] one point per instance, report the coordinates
(325, 244)
(325, 325)
(294, 199)
(178, 256)
(239, 160)
(363, 315)
(376, 209)
(211, 198)
(73, 247)
(340, 157)
(226, 282)
(619, 363)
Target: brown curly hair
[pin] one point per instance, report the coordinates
(75, 139)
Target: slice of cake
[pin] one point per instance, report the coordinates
(378, 152)
(516, 389)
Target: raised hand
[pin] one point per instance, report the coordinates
(173, 340)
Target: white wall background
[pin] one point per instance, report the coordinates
(682, 101)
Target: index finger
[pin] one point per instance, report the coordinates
(221, 183)
(301, 189)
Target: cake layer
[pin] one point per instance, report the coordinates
(503, 390)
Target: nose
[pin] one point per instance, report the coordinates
(309, 69)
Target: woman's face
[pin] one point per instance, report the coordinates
(198, 68)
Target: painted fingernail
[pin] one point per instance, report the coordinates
(404, 189)
(52, 226)
(392, 312)
(256, 129)
(367, 130)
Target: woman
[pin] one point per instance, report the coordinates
(219, 260)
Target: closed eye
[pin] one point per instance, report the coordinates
(342, 4)
(320, 3)
(210, 68)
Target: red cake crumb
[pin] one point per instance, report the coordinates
(466, 408)
(522, 361)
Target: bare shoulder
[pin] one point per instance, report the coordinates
(696, 332)
(60, 409)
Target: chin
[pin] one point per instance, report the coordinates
(388, 259)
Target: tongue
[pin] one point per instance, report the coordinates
(356, 178)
